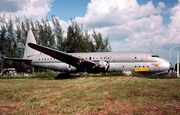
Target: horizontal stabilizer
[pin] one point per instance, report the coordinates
(17, 59)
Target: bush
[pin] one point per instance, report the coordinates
(46, 75)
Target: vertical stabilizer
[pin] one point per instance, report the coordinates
(28, 52)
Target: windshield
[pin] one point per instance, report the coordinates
(154, 55)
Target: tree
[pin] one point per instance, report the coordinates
(10, 39)
(88, 45)
(80, 41)
(18, 33)
(58, 32)
(101, 45)
(3, 42)
(50, 35)
(34, 28)
(25, 27)
(46, 36)
(70, 40)
(74, 40)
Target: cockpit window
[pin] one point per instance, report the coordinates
(155, 56)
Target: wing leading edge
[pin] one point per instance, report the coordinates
(62, 56)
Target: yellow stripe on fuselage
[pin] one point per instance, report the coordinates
(141, 69)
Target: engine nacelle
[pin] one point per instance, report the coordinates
(102, 64)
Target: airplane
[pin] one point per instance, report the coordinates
(134, 62)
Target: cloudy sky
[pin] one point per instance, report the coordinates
(132, 25)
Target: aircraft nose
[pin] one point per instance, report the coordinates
(166, 65)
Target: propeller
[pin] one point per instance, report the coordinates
(107, 63)
(104, 63)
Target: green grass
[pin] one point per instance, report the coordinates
(54, 75)
(90, 95)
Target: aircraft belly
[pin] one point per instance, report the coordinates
(134, 67)
(120, 67)
(56, 66)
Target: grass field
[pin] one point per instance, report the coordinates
(91, 95)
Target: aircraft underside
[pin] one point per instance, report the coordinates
(113, 67)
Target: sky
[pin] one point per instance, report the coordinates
(131, 25)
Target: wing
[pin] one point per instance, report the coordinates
(62, 56)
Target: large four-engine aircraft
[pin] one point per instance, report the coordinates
(41, 56)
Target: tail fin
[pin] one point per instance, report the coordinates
(29, 51)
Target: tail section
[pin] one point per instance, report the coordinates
(28, 52)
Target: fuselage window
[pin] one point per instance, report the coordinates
(134, 66)
(89, 58)
(147, 66)
(135, 57)
(154, 56)
(123, 66)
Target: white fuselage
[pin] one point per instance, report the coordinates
(118, 61)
